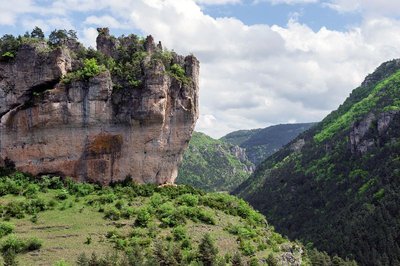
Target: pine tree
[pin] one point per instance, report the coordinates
(37, 33)
(207, 250)
(237, 260)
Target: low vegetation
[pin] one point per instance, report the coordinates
(127, 64)
(130, 224)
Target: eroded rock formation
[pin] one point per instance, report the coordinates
(93, 130)
(370, 132)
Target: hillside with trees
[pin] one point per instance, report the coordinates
(263, 142)
(337, 186)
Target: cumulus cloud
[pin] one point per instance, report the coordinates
(257, 75)
(88, 37)
(11, 10)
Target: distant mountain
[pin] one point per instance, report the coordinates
(213, 165)
(263, 142)
(338, 184)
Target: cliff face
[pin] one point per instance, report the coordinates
(91, 129)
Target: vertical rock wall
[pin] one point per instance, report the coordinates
(86, 129)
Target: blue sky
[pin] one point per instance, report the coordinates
(263, 62)
(314, 15)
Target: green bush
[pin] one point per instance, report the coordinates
(7, 56)
(207, 250)
(6, 229)
(169, 215)
(245, 232)
(206, 216)
(33, 244)
(143, 217)
(112, 213)
(90, 69)
(17, 245)
(188, 200)
(179, 233)
(31, 190)
(62, 194)
(156, 200)
(178, 73)
(247, 248)
(35, 205)
(15, 209)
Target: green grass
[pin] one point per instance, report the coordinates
(80, 221)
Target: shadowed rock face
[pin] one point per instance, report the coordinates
(87, 130)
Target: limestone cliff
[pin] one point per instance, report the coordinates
(99, 128)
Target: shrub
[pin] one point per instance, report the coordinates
(62, 263)
(156, 200)
(207, 250)
(245, 232)
(17, 245)
(31, 190)
(247, 248)
(79, 189)
(178, 73)
(143, 217)
(188, 200)
(33, 244)
(119, 204)
(7, 56)
(112, 213)
(179, 233)
(127, 212)
(237, 260)
(62, 194)
(35, 205)
(206, 216)
(55, 182)
(90, 69)
(169, 215)
(15, 209)
(6, 228)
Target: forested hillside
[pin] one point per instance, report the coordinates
(263, 142)
(213, 165)
(337, 185)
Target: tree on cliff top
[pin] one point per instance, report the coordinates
(37, 33)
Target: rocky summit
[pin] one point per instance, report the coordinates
(125, 110)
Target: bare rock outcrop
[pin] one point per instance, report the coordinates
(370, 131)
(93, 130)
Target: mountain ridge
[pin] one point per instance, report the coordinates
(335, 185)
(263, 142)
(213, 165)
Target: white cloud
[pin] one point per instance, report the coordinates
(105, 21)
(88, 37)
(251, 76)
(218, 2)
(48, 24)
(257, 75)
(367, 7)
(287, 2)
